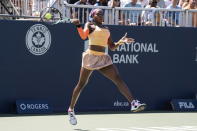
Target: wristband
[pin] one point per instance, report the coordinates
(120, 42)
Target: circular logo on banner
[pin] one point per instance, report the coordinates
(23, 106)
(38, 39)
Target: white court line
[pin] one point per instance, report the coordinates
(163, 128)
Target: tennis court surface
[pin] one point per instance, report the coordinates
(103, 122)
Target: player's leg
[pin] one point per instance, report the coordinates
(83, 80)
(111, 72)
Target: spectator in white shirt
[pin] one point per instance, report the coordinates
(161, 3)
(143, 3)
(168, 2)
(124, 2)
(39, 5)
(132, 17)
(151, 17)
(173, 17)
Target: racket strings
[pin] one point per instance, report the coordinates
(53, 16)
(50, 14)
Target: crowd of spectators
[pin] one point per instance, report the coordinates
(152, 17)
(132, 17)
(183, 4)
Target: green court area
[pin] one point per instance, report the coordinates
(103, 122)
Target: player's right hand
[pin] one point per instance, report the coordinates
(75, 21)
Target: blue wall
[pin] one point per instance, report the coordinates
(158, 67)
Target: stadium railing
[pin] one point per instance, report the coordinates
(29, 7)
(112, 16)
(136, 16)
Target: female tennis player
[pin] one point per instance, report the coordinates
(95, 58)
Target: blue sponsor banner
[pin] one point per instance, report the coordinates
(159, 66)
(184, 104)
(33, 106)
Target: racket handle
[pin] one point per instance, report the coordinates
(66, 20)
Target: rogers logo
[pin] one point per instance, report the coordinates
(34, 106)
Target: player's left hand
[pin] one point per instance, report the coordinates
(127, 40)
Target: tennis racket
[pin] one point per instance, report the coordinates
(53, 16)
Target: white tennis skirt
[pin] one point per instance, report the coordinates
(95, 62)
